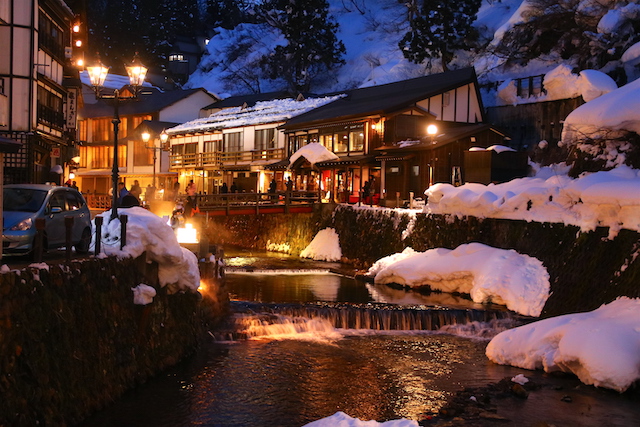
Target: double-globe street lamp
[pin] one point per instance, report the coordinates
(97, 75)
(164, 137)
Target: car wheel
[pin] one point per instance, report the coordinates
(82, 247)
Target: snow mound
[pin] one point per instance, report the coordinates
(613, 111)
(340, 419)
(143, 294)
(147, 232)
(487, 274)
(601, 347)
(601, 199)
(325, 246)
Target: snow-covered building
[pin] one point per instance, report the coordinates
(380, 134)
(135, 158)
(238, 143)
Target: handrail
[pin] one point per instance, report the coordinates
(222, 158)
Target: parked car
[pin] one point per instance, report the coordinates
(23, 204)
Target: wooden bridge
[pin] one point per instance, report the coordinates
(236, 203)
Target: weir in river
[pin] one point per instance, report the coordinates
(303, 343)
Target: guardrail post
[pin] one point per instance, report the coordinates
(97, 247)
(258, 197)
(68, 228)
(123, 230)
(39, 241)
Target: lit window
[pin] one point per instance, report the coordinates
(176, 57)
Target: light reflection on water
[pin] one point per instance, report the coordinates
(289, 382)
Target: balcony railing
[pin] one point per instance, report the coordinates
(219, 159)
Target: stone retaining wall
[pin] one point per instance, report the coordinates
(586, 269)
(72, 341)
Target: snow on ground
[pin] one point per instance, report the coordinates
(601, 347)
(340, 419)
(488, 274)
(147, 232)
(325, 246)
(601, 199)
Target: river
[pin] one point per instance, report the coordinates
(307, 340)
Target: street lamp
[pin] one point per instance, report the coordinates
(97, 75)
(146, 136)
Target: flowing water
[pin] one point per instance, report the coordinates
(307, 340)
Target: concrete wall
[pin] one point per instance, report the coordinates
(72, 341)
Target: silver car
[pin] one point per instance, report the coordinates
(24, 203)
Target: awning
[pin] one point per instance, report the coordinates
(397, 157)
(280, 165)
(347, 160)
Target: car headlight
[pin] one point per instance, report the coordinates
(22, 225)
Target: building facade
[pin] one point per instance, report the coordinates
(40, 89)
(151, 113)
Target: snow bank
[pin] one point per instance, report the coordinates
(488, 274)
(147, 232)
(613, 111)
(601, 199)
(340, 419)
(601, 347)
(325, 246)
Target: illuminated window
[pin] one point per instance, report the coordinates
(178, 57)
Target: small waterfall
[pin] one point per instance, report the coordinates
(253, 320)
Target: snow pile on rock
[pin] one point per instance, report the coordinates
(601, 347)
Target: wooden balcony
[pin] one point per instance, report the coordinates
(217, 159)
(256, 203)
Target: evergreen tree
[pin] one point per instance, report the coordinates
(120, 28)
(438, 28)
(311, 47)
(226, 13)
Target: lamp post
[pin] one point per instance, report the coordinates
(146, 137)
(97, 75)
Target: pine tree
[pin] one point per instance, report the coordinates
(311, 49)
(438, 28)
(226, 13)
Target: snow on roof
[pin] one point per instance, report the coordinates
(601, 199)
(314, 153)
(274, 111)
(616, 110)
(488, 274)
(147, 232)
(601, 347)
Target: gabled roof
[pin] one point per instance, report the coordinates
(384, 99)
(151, 100)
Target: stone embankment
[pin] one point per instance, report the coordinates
(72, 340)
(586, 269)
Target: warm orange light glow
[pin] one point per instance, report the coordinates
(203, 286)
(76, 28)
(78, 43)
(80, 63)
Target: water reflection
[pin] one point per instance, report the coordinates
(293, 381)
